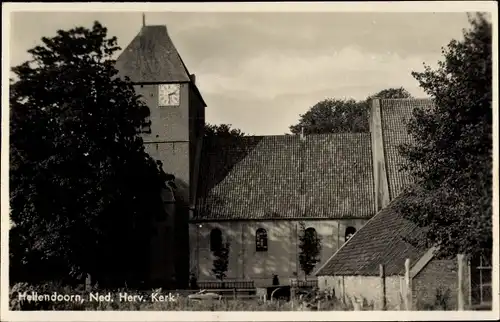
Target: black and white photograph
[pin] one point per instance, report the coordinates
(214, 159)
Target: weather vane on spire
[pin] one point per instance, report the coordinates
(143, 19)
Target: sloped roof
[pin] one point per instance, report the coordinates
(283, 177)
(382, 240)
(395, 114)
(152, 57)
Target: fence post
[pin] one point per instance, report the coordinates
(460, 282)
(88, 283)
(234, 294)
(408, 296)
(382, 287)
(344, 301)
(356, 305)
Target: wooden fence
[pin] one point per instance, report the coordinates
(304, 284)
(212, 285)
(234, 293)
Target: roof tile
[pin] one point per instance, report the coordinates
(382, 240)
(279, 177)
(395, 114)
(152, 57)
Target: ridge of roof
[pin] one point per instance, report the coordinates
(195, 87)
(405, 99)
(297, 136)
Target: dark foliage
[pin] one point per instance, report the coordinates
(82, 188)
(337, 116)
(451, 158)
(310, 249)
(221, 130)
(221, 262)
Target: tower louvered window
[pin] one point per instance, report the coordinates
(146, 124)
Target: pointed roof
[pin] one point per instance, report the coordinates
(152, 57)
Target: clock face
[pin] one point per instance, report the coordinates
(169, 94)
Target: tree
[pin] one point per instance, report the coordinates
(338, 116)
(222, 130)
(221, 261)
(310, 249)
(332, 116)
(82, 188)
(392, 92)
(451, 158)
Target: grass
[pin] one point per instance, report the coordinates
(178, 301)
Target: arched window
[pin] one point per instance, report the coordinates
(349, 231)
(261, 240)
(311, 232)
(215, 239)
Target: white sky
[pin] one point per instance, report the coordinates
(259, 71)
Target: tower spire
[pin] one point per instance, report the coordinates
(143, 19)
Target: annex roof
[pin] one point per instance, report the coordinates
(384, 239)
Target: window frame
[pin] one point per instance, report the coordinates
(261, 240)
(488, 269)
(350, 230)
(479, 268)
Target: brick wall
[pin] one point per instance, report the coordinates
(437, 274)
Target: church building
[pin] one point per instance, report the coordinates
(254, 192)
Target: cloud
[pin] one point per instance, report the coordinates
(259, 71)
(231, 37)
(272, 74)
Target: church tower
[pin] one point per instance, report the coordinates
(173, 135)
